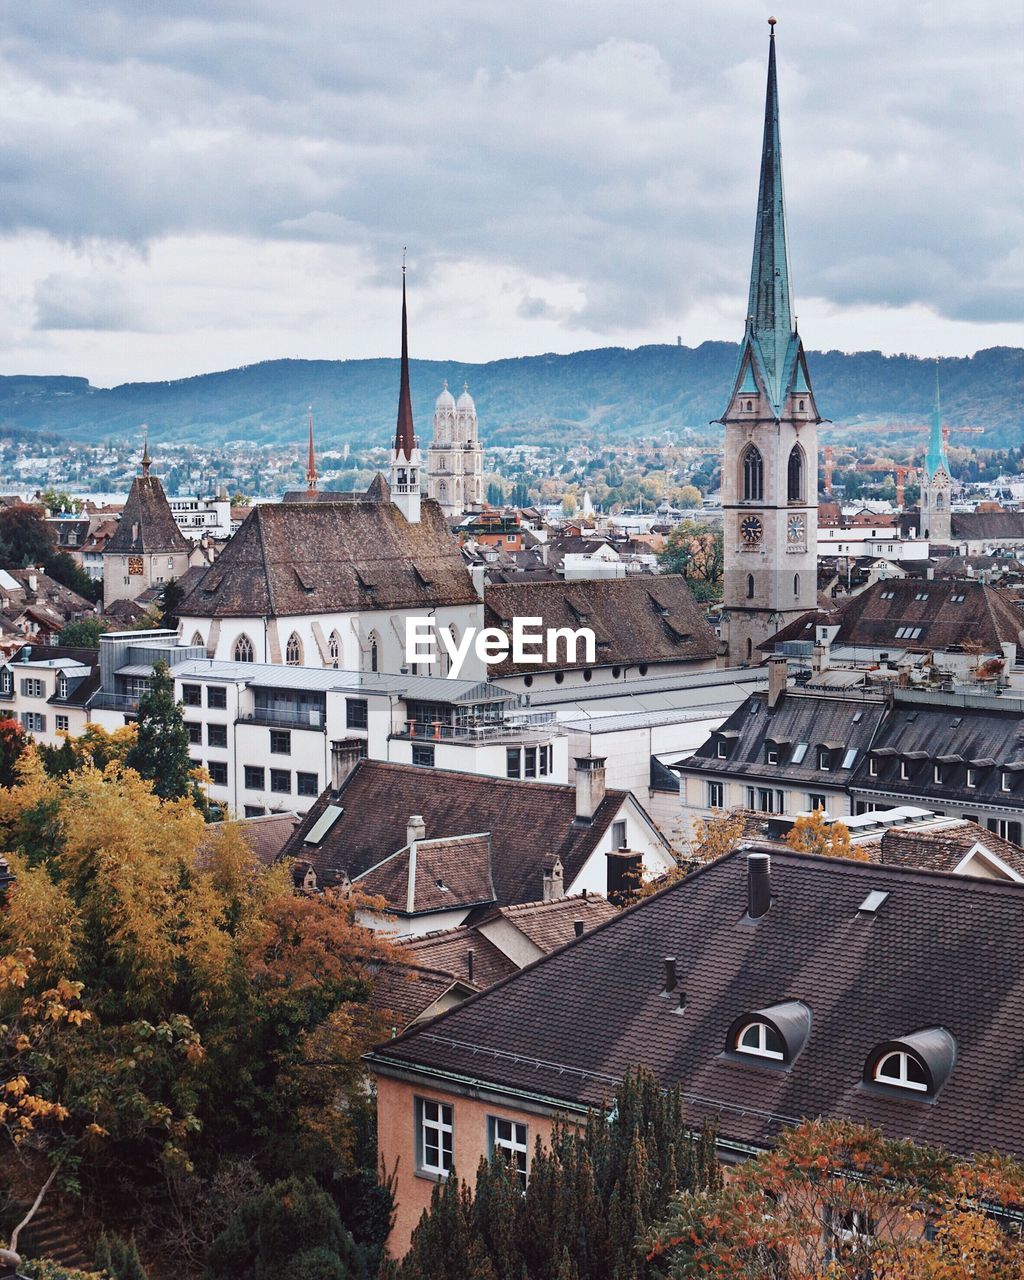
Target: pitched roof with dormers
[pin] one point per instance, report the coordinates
(147, 523)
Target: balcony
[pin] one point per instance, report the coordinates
(129, 703)
(286, 717)
(536, 725)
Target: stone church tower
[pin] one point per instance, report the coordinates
(455, 459)
(770, 468)
(936, 483)
(406, 463)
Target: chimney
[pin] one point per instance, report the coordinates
(577, 928)
(819, 657)
(33, 582)
(469, 964)
(345, 755)
(670, 976)
(415, 828)
(778, 675)
(553, 881)
(759, 884)
(590, 786)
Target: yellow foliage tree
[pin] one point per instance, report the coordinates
(811, 833)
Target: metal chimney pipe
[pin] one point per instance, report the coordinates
(759, 884)
(670, 974)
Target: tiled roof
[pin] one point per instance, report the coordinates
(332, 557)
(527, 821)
(433, 875)
(266, 836)
(147, 523)
(988, 525)
(549, 925)
(406, 991)
(448, 950)
(934, 954)
(643, 619)
(944, 848)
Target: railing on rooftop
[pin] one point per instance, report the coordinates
(538, 724)
(293, 717)
(115, 702)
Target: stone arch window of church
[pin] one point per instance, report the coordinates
(750, 586)
(334, 647)
(442, 491)
(753, 474)
(795, 474)
(293, 651)
(244, 652)
(796, 586)
(750, 406)
(801, 405)
(750, 648)
(938, 502)
(374, 652)
(198, 639)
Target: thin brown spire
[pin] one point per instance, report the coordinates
(311, 475)
(405, 438)
(147, 461)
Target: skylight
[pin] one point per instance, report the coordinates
(799, 751)
(323, 824)
(874, 900)
(849, 758)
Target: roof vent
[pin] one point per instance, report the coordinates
(873, 901)
(577, 928)
(759, 884)
(670, 976)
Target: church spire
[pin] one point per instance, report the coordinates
(938, 459)
(769, 308)
(405, 439)
(311, 474)
(147, 461)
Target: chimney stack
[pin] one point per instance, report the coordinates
(778, 675)
(469, 964)
(577, 928)
(553, 880)
(345, 755)
(759, 884)
(670, 975)
(590, 786)
(415, 829)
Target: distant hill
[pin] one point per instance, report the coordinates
(611, 393)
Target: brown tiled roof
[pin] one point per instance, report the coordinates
(988, 525)
(644, 619)
(549, 925)
(448, 950)
(266, 836)
(934, 954)
(445, 873)
(147, 523)
(986, 617)
(944, 848)
(406, 991)
(333, 557)
(527, 822)
(960, 566)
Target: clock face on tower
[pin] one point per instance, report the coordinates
(796, 529)
(751, 530)
(136, 565)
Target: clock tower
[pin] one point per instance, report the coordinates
(770, 467)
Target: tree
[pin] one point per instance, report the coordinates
(84, 632)
(12, 743)
(290, 1231)
(119, 1258)
(689, 496)
(811, 833)
(239, 500)
(698, 553)
(170, 598)
(160, 753)
(26, 539)
(834, 1199)
(57, 500)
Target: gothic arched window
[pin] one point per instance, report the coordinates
(795, 474)
(198, 639)
(753, 474)
(938, 502)
(750, 649)
(334, 647)
(750, 586)
(442, 491)
(293, 651)
(244, 652)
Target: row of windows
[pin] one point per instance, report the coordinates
(750, 587)
(33, 688)
(216, 734)
(255, 778)
(529, 762)
(216, 696)
(773, 753)
(435, 1138)
(294, 650)
(763, 799)
(752, 475)
(942, 773)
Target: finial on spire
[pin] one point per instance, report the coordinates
(147, 461)
(771, 23)
(311, 475)
(404, 250)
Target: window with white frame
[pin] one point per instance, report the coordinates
(716, 796)
(761, 1041)
(60, 724)
(619, 834)
(721, 748)
(904, 770)
(936, 773)
(873, 766)
(799, 751)
(972, 778)
(901, 1070)
(816, 801)
(824, 759)
(33, 722)
(1005, 781)
(33, 689)
(436, 1131)
(508, 1139)
(771, 754)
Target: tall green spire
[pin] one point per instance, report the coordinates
(769, 309)
(937, 456)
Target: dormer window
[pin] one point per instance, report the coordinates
(776, 1033)
(62, 686)
(824, 759)
(761, 1040)
(917, 1063)
(873, 766)
(722, 748)
(771, 755)
(904, 770)
(972, 778)
(1005, 781)
(902, 1070)
(937, 774)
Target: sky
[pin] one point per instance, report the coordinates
(203, 184)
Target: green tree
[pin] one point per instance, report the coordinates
(83, 632)
(689, 496)
(57, 500)
(26, 539)
(12, 744)
(290, 1231)
(170, 598)
(160, 753)
(119, 1258)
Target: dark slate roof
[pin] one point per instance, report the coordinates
(147, 523)
(444, 873)
(813, 717)
(990, 526)
(986, 617)
(332, 557)
(990, 742)
(944, 848)
(527, 821)
(642, 619)
(960, 566)
(935, 954)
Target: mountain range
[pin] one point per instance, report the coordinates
(609, 394)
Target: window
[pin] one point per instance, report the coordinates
(218, 773)
(254, 811)
(436, 1131)
(716, 797)
(216, 697)
(937, 773)
(544, 760)
(244, 652)
(60, 724)
(33, 722)
(307, 784)
(355, 713)
(192, 695)
(901, 1070)
(509, 1139)
(513, 765)
(771, 755)
(753, 474)
(195, 732)
(334, 647)
(904, 770)
(293, 651)
(423, 754)
(280, 742)
(795, 475)
(815, 800)
(281, 781)
(959, 598)
(1006, 828)
(33, 689)
(1005, 781)
(197, 639)
(750, 648)
(529, 762)
(750, 586)
(799, 751)
(824, 759)
(374, 653)
(760, 1040)
(972, 778)
(255, 778)
(62, 686)
(7, 680)
(849, 757)
(873, 766)
(796, 586)
(619, 834)
(722, 748)
(770, 800)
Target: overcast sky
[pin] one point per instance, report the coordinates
(196, 185)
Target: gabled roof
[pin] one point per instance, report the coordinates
(147, 523)
(433, 875)
(550, 925)
(332, 557)
(642, 619)
(989, 526)
(945, 848)
(526, 822)
(934, 954)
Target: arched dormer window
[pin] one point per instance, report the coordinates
(244, 652)
(750, 586)
(753, 474)
(334, 647)
(198, 639)
(795, 473)
(917, 1063)
(293, 651)
(777, 1033)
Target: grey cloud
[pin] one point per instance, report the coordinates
(74, 302)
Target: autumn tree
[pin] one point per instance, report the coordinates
(813, 833)
(12, 744)
(696, 551)
(839, 1200)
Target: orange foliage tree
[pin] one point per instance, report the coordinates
(811, 833)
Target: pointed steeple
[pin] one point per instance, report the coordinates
(405, 438)
(938, 459)
(770, 328)
(147, 461)
(311, 474)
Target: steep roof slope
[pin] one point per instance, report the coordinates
(147, 524)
